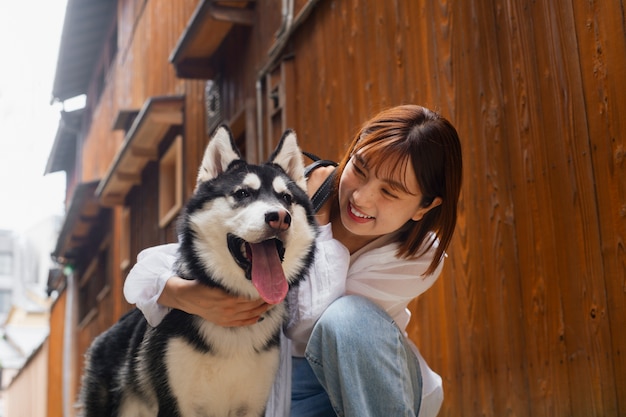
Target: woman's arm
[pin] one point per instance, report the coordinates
(155, 289)
(212, 304)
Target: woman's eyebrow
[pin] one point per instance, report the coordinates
(360, 159)
(398, 185)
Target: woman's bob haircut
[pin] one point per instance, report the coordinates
(413, 134)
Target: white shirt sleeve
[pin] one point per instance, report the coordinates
(325, 283)
(146, 280)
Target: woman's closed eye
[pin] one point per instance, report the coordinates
(389, 194)
(362, 173)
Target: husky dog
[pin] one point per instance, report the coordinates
(247, 229)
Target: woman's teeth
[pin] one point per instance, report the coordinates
(358, 213)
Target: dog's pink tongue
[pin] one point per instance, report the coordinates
(267, 272)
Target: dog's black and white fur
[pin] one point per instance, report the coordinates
(239, 215)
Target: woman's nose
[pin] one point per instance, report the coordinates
(363, 194)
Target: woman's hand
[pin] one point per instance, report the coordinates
(315, 180)
(212, 304)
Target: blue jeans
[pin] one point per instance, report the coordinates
(358, 364)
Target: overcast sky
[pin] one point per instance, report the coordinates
(29, 41)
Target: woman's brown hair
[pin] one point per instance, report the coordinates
(413, 134)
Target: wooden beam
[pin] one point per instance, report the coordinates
(128, 177)
(207, 28)
(195, 69)
(151, 154)
(235, 15)
(140, 146)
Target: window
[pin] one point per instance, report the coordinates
(212, 104)
(6, 263)
(106, 67)
(279, 101)
(93, 285)
(170, 182)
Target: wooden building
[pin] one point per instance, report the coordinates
(528, 317)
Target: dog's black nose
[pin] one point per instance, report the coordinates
(278, 220)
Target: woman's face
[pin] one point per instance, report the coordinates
(373, 206)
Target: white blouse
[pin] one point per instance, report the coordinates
(373, 272)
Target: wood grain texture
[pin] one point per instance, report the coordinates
(528, 317)
(525, 319)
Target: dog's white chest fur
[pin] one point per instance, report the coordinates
(207, 385)
(234, 384)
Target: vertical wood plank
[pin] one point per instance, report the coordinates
(541, 291)
(600, 28)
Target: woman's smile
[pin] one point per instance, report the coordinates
(357, 215)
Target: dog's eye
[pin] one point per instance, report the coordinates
(287, 198)
(241, 194)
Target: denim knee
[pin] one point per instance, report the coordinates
(353, 309)
(350, 321)
(363, 361)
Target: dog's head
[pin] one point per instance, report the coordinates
(248, 229)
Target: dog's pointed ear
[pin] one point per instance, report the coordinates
(289, 157)
(219, 154)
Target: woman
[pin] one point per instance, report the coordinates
(384, 231)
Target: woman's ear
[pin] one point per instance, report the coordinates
(423, 210)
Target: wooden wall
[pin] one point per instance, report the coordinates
(147, 33)
(528, 316)
(54, 397)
